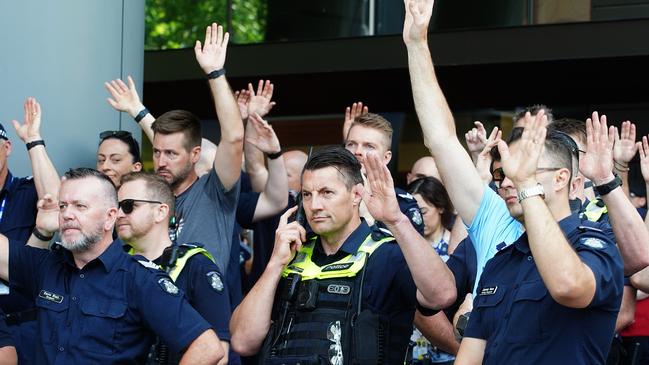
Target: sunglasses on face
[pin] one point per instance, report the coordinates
(127, 205)
(119, 134)
(498, 175)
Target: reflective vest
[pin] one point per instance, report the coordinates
(594, 210)
(185, 252)
(318, 316)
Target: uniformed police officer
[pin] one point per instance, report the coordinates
(96, 304)
(346, 294)
(146, 205)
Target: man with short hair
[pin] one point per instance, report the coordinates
(117, 155)
(423, 167)
(370, 132)
(549, 273)
(97, 304)
(147, 205)
(349, 292)
(205, 205)
(519, 117)
(294, 161)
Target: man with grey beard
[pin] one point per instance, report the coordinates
(96, 303)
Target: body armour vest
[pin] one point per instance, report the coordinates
(319, 318)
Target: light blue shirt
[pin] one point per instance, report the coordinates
(492, 229)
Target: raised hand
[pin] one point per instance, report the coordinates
(483, 161)
(243, 97)
(351, 113)
(288, 239)
(624, 148)
(520, 167)
(597, 163)
(47, 219)
(378, 195)
(124, 98)
(261, 101)
(476, 138)
(643, 150)
(211, 55)
(265, 138)
(30, 130)
(415, 25)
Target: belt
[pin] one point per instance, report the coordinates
(17, 318)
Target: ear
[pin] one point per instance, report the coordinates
(195, 154)
(357, 194)
(577, 187)
(562, 180)
(8, 146)
(409, 178)
(162, 213)
(137, 167)
(111, 217)
(387, 157)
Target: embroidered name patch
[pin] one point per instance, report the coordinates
(52, 297)
(488, 291)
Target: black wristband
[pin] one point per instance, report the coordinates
(32, 144)
(141, 115)
(609, 186)
(216, 74)
(273, 156)
(41, 236)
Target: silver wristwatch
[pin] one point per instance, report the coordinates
(529, 192)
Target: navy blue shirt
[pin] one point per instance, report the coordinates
(19, 197)
(105, 313)
(520, 320)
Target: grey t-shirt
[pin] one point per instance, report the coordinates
(206, 213)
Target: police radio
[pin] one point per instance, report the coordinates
(174, 224)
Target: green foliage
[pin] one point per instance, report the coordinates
(179, 23)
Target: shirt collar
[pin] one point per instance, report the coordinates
(567, 225)
(108, 258)
(355, 239)
(8, 181)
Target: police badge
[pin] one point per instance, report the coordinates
(214, 279)
(168, 286)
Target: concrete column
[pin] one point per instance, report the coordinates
(61, 52)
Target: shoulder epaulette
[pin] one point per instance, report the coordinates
(590, 229)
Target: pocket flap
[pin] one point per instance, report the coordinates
(531, 291)
(108, 309)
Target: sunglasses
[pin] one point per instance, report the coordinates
(127, 205)
(119, 134)
(498, 175)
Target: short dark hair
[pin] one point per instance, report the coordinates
(127, 138)
(157, 187)
(572, 127)
(85, 173)
(340, 159)
(433, 192)
(180, 121)
(534, 110)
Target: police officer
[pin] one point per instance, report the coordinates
(96, 304)
(346, 294)
(146, 205)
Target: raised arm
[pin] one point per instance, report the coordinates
(570, 281)
(47, 222)
(126, 99)
(204, 350)
(46, 179)
(455, 166)
(251, 320)
(211, 58)
(274, 198)
(260, 103)
(351, 113)
(476, 140)
(424, 263)
(630, 231)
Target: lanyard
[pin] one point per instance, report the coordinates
(4, 200)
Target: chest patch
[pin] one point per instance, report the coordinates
(168, 286)
(336, 267)
(489, 290)
(593, 243)
(215, 281)
(338, 289)
(52, 297)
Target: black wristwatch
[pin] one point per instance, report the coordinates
(41, 236)
(609, 186)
